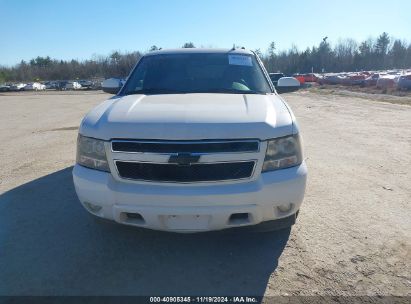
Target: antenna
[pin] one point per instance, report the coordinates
(233, 47)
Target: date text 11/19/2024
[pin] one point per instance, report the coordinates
(206, 299)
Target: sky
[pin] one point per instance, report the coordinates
(74, 29)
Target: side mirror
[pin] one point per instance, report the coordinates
(287, 84)
(112, 85)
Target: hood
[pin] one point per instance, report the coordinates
(189, 117)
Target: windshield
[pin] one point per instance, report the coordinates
(197, 73)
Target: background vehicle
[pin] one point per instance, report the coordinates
(34, 86)
(86, 84)
(50, 85)
(275, 76)
(404, 82)
(330, 79)
(372, 80)
(287, 84)
(386, 81)
(355, 79)
(73, 85)
(61, 85)
(310, 77)
(4, 88)
(17, 87)
(300, 78)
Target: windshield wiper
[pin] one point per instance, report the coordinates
(229, 91)
(153, 91)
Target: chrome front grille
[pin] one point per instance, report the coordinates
(199, 172)
(198, 147)
(185, 161)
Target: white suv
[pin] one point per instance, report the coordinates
(196, 140)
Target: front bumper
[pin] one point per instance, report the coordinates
(190, 207)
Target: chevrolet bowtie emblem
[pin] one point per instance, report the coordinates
(183, 159)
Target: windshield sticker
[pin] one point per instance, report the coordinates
(240, 60)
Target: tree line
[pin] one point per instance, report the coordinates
(347, 55)
(380, 53)
(45, 68)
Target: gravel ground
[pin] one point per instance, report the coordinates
(352, 236)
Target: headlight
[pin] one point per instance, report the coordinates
(91, 153)
(282, 153)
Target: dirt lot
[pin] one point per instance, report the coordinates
(352, 236)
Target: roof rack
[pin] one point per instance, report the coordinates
(234, 47)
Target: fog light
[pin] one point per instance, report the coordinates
(92, 208)
(285, 207)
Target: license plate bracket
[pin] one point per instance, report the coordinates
(187, 222)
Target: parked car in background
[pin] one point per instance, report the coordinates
(73, 85)
(332, 78)
(300, 78)
(50, 85)
(61, 85)
(86, 84)
(386, 81)
(274, 77)
(310, 77)
(355, 79)
(17, 87)
(287, 84)
(34, 86)
(96, 85)
(404, 82)
(372, 80)
(4, 87)
(380, 79)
